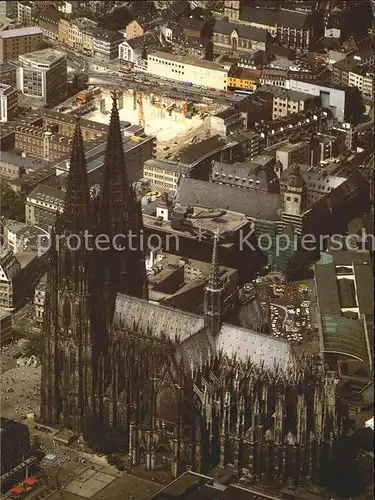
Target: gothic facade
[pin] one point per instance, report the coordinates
(186, 390)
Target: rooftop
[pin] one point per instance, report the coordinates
(34, 30)
(6, 89)
(282, 93)
(257, 204)
(204, 221)
(167, 165)
(62, 117)
(189, 60)
(45, 56)
(245, 32)
(193, 153)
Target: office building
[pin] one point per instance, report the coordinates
(14, 43)
(164, 175)
(290, 153)
(15, 444)
(105, 43)
(8, 74)
(332, 96)
(26, 12)
(8, 102)
(43, 74)
(194, 71)
(286, 102)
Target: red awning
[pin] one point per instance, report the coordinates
(17, 490)
(30, 481)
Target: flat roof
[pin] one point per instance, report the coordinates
(167, 165)
(227, 221)
(189, 60)
(34, 30)
(63, 117)
(45, 56)
(285, 93)
(6, 89)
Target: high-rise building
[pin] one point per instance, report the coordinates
(8, 102)
(43, 74)
(14, 43)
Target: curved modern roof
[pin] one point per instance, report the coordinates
(344, 336)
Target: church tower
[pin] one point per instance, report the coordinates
(294, 199)
(232, 10)
(213, 293)
(67, 358)
(121, 267)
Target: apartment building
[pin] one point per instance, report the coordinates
(80, 36)
(48, 21)
(43, 74)
(8, 9)
(274, 76)
(41, 143)
(243, 78)
(351, 72)
(290, 153)
(63, 34)
(9, 268)
(134, 30)
(286, 102)
(105, 43)
(8, 74)
(164, 175)
(8, 102)
(195, 71)
(25, 12)
(42, 204)
(14, 43)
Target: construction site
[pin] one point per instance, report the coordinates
(173, 122)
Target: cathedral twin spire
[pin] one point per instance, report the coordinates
(116, 210)
(76, 215)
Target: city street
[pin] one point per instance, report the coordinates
(108, 74)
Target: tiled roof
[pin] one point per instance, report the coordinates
(159, 318)
(196, 342)
(259, 16)
(245, 32)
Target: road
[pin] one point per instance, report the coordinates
(109, 76)
(175, 90)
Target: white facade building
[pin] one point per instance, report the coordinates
(43, 74)
(65, 7)
(8, 102)
(364, 82)
(131, 51)
(332, 98)
(188, 69)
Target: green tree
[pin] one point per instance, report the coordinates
(11, 203)
(354, 106)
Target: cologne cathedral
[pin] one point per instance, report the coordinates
(188, 391)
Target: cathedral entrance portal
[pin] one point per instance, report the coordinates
(142, 455)
(163, 458)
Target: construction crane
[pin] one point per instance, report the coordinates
(141, 114)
